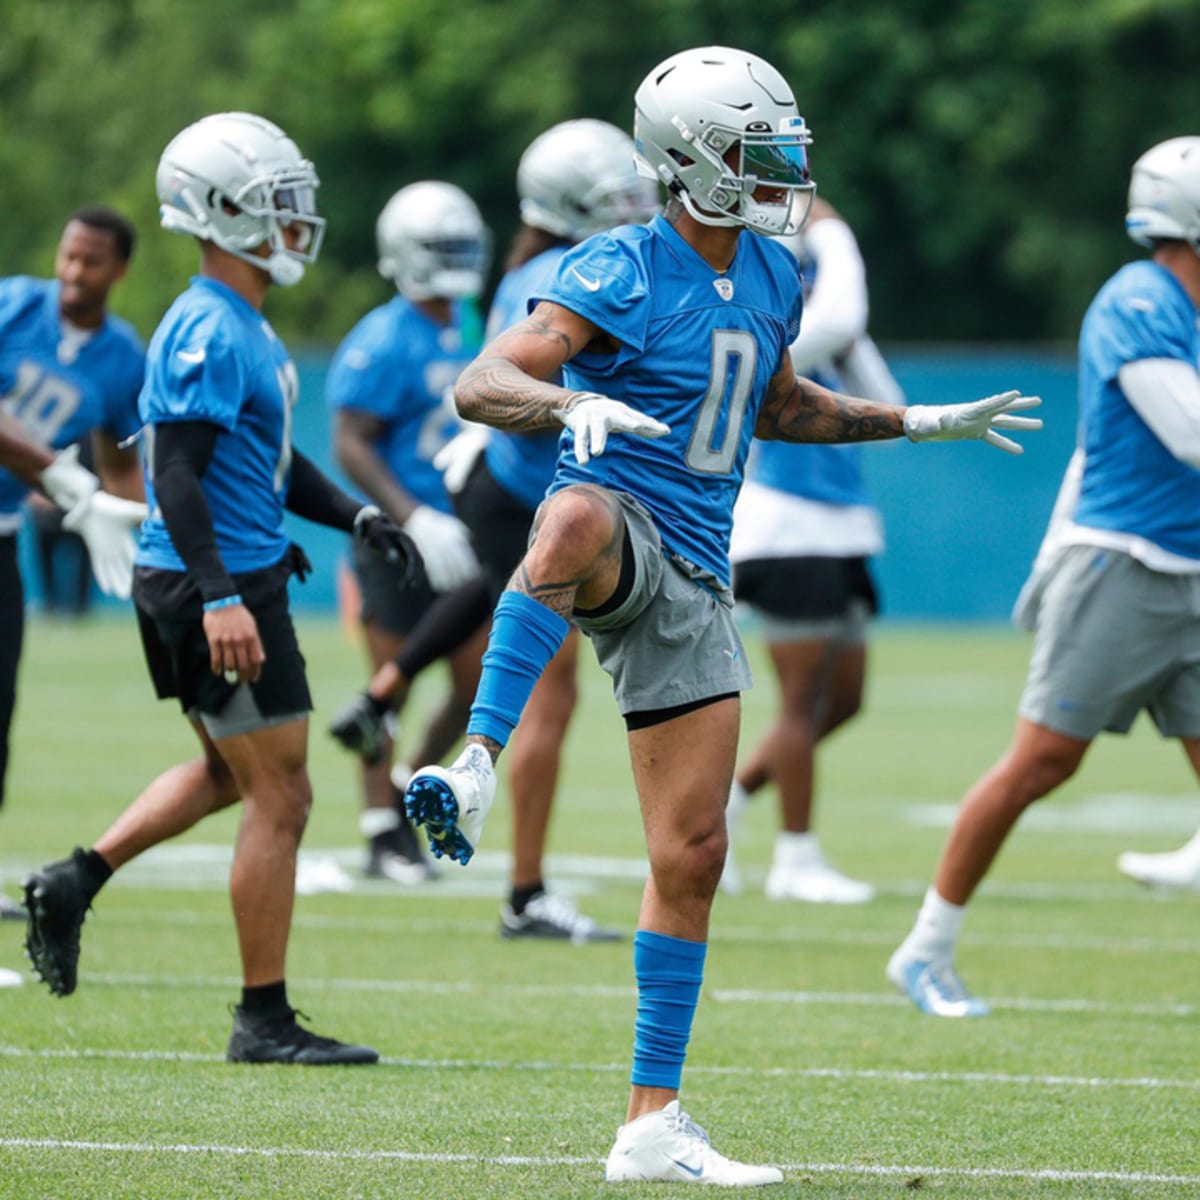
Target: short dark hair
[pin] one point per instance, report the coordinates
(96, 216)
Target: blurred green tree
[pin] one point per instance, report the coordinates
(980, 150)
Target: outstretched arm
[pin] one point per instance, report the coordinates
(798, 410)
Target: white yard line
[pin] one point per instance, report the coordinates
(999, 1078)
(627, 992)
(1052, 1175)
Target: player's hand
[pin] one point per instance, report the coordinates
(592, 418)
(66, 482)
(234, 646)
(980, 419)
(445, 547)
(457, 458)
(387, 539)
(106, 524)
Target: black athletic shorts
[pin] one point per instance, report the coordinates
(387, 600)
(170, 618)
(498, 521)
(805, 589)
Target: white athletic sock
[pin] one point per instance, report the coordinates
(374, 821)
(797, 850)
(936, 930)
(1190, 851)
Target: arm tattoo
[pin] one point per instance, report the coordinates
(810, 413)
(498, 389)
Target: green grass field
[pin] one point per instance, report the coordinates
(505, 1064)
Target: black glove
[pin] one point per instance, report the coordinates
(382, 535)
(298, 562)
(360, 728)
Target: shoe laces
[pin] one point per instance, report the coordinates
(679, 1122)
(559, 911)
(947, 982)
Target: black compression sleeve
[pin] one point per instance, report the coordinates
(182, 452)
(447, 624)
(315, 497)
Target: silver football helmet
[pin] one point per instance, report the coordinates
(579, 178)
(433, 242)
(715, 125)
(239, 181)
(1164, 193)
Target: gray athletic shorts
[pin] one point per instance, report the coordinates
(673, 640)
(1113, 638)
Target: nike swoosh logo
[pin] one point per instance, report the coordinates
(694, 1172)
(592, 285)
(191, 356)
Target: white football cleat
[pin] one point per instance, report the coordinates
(10, 979)
(816, 883)
(799, 872)
(452, 803)
(669, 1146)
(934, 986)
(1175, 869)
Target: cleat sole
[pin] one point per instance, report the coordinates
(430, 803)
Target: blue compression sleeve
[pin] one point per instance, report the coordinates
(669, 972)
(525, 636)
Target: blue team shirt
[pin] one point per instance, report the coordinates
(214, 358)
(829, 474)
(697, 350)
(522, 463)
(59, 401)
(1131, 481)
(397, 364)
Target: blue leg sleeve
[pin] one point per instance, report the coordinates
(669, 971)
(525, 636)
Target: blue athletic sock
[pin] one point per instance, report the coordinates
(669, 971)
(525, 636)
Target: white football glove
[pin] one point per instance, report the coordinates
(593, 417)
(106, 524)
(444, 545)
(979, 419)
(457, 458)
(66, 482)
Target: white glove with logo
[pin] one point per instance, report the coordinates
(592, 417)
(980, 419)
(106, 524)
(66, 482)
(444, 545)
(456, 459)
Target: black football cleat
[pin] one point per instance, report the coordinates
(278, 1038)
(56, 902)
(360, 728)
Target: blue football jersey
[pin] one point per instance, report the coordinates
(214, 358)
(1131, 481)
(397, 364)
(58, 389)
(697, 351)
(522, 463)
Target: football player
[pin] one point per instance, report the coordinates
(69, 369)
(672, 342)
(213, 568)
(388, 387)
(803, 530)
(575, 179)
(1114, 596)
